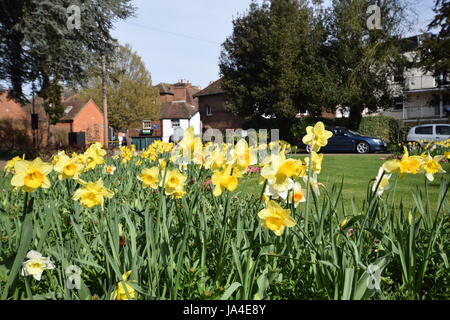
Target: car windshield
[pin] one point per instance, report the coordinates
(354, 133)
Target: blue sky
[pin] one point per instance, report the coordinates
(180, 39)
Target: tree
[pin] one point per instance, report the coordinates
(365, 58)
(435, 48)
(131, 96)
(272, 64)
(39, 47)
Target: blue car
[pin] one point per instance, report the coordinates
(345, 140)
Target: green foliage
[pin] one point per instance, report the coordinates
(273, 63)
(206, 247)
(387, 128)
(131, 96)
(37, 45)
(365, 59)
(434, 50)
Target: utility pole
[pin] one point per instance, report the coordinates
(34, 120)
(105, 105)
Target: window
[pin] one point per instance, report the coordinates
(424, 130)
(146, 124)
(443, 130)
(175, 123)
(208, 110)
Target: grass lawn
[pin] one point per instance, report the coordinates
(357, 171)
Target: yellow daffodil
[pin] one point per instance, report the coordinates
(275, 218)
(124, 290)
(174, 182)
(408, 164)
(432, 166)
(382, 181)
(149, 178)
(317, 136)
(30, 175)
(92, 194)
(447, 154)
(9, 167)
(224, 180)
(67, 168)
(279, 171)
(56, 157)
(316, 163)
(36, 265)
(162, 163)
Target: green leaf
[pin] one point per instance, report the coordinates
(231, 289)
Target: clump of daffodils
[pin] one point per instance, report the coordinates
(36, 265)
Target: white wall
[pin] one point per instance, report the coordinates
(184, 124)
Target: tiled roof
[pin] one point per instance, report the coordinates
(213, 88)
(165, 88)
(178, 110)
(73, 107)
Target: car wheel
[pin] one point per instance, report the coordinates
(362, 147)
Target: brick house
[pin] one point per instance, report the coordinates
(213, 114)
(80, 117)
(179, 108)
(14, 128)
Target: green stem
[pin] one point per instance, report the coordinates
(308, 191)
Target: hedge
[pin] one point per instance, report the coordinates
(387, 128)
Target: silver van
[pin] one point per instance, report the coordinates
(429, 132)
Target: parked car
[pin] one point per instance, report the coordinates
(428, 132)
(345, 140)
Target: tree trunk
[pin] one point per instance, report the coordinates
(355, 117)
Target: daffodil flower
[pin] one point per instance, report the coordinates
(92, 194)
(298, 194)
(124, 290)
(317, 136)
(67, 168)
(408, 164)
(149, 178)
(432, 166)
(382, 181)
(36, 265)
(109, 170)
(275, 218)
(30, 175)
(316, 163)
(174, 182)
(225, 179)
